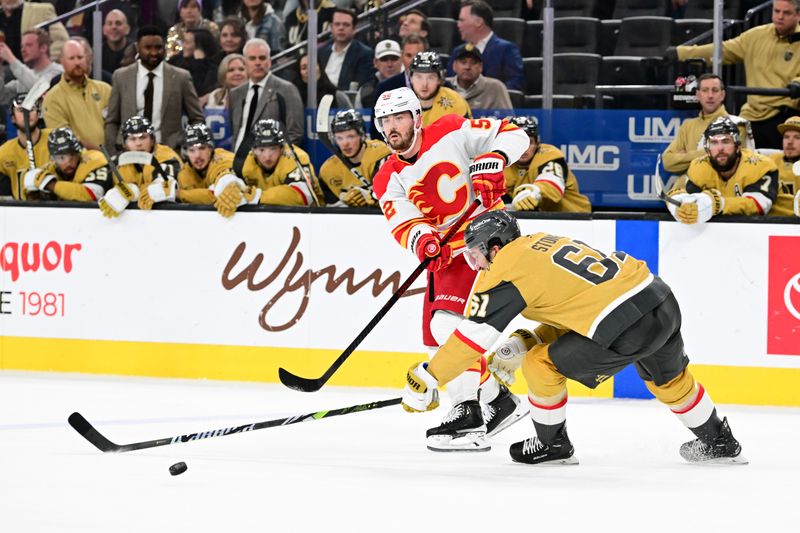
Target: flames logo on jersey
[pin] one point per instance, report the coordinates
(441, 194)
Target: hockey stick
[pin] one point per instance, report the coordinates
(142, 158)
(36, 92)
(324, 130)
(88, 431)
(312, 385)
(306, 177)
(660, 187)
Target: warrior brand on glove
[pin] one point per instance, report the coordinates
(488, 181)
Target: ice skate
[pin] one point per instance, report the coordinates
(503, 411)
(462, 430)
(724, 449)
(532, 451)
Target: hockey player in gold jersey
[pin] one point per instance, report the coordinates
(540, 180)
(728, 180)
(14, 162)
(73, 173)
(137, 167)
(203, 166)
(787, 202)
(274, 173)
(598, 314)
(427, 79)
(346, 177)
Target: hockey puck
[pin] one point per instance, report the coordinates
(178, 468)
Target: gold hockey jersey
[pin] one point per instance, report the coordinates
(339, 178)
(193, 187)
(446, 102)
(559, 282)
(14, 161)
(143, 175)
(285, 185)
(91, 181)
(750, 191)
(548, 169)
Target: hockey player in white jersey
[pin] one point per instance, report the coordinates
(430, 180)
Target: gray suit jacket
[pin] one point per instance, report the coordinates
(279, 100)
(179, 98)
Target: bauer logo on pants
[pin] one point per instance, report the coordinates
(783, 321)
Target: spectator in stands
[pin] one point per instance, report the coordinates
(73, 173)
(501, 58)
(771, 58)
(230, 74)
(413, 21)
(296, 22)
(427, 78)
(17, 17)
(347, 175)
(263, 96)
(232, 36)
(541, 180)
(14, 162)
(35, 64)
(115, 39)
(347, 62)
(77, 101)
(788, 201)
(324, 85)
(153, 89)
(729, 180)
(189, 13)
(263, 22)
(479, 91)
(387, 64)
(689, 143)
(199, 46)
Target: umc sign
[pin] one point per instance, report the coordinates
(783, 319)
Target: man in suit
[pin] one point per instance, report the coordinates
(345, 60)
(264, 96)
(501, 58)
(153, 89)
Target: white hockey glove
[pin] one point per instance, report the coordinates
(421, 392)
(673, 209)
(700, 207)
(527, 197)
(117, 199)
(158, 191)
(36, 180)
(231, 193)
(797, 204)
(507, 358)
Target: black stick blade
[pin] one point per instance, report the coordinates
(87, 431)
(298, 383)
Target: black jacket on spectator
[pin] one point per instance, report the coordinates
(357, 65)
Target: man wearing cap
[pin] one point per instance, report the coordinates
(387, 64)
(788, 201)
(479, 91)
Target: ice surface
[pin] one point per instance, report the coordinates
(367, 471)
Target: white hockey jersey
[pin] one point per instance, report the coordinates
(430, 194)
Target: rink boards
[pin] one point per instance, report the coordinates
(189, 294)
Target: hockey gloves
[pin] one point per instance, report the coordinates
(428, 247)
(357, 197)
(36, 180)
(508, 356)
(486, 172)
(422, 390)
(698, 207)
(232, 192)
(797, 204)
(527, 197)
(158, 191)
(117, 199)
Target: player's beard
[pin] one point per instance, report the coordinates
(402, 144)
(732, 160)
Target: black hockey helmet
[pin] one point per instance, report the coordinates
(489, 229)
(348, 119)
(528, 125)
(722, 126)
(17, 101)
(63, 141)
(267, 132)
(198, 133)
(427, 61)
(137, 124)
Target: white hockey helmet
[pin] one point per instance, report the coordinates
(397, 101)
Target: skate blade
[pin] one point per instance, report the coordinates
(738, 460)
(469, 442)
(556, 462)
(519, 413)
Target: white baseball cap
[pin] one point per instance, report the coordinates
(387, 47)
